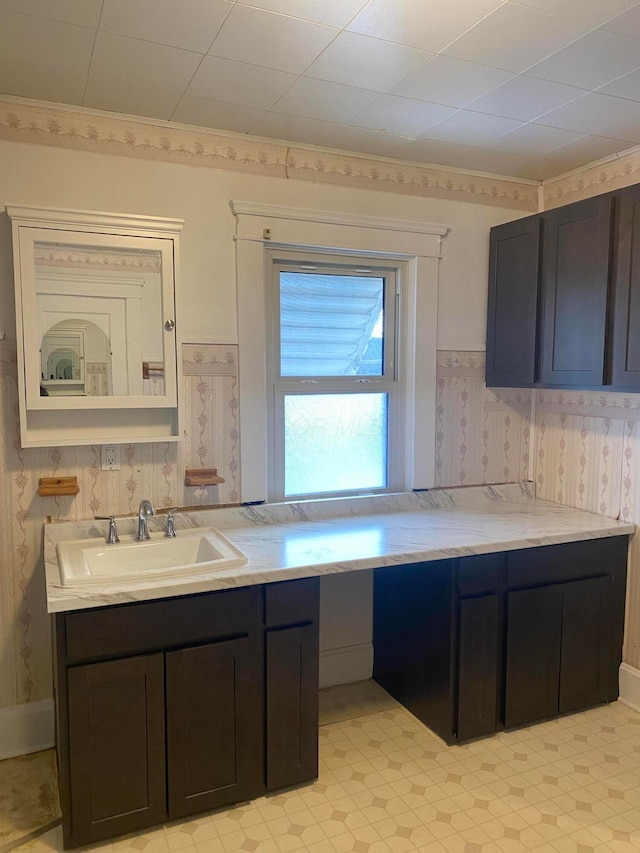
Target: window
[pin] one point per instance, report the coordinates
(334, 376)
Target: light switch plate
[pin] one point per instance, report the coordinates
(110, 457)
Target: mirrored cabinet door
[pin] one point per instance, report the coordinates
(95, 305)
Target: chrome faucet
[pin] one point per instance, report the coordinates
(146, 509)
(170, 530)
(112, 537)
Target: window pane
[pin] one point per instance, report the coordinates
(331, 325)
(335, 442)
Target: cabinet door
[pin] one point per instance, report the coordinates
(292, 705)
(534, 632)
(478, 631)
(117, 747)
(626, 328)
(575, 279)
(585, 645)
(213, 720)
(513, 302)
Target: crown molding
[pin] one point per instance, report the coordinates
(76, 128)
(299, 214)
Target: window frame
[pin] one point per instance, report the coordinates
(391, 382)
(417, 243)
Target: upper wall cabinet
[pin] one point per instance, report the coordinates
(513, 299)
(626, 319)
(575, 278)
(579, 265)
(96, 326)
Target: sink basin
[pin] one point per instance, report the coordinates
(194, 550)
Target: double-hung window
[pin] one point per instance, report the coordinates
(335, 407)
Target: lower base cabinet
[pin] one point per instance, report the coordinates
(209, 700)
(478, 644)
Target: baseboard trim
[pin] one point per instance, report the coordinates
(27, 728)
(346, 664)
(629, 686)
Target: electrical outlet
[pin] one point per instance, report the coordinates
(110, 457)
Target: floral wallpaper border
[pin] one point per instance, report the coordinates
(89, 130)
(588, 181)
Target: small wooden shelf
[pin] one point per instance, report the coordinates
(56, 486)
(202, 477)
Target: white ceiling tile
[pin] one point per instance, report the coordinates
(429, 26)
(476, 159)
(627, 86)
(628, 131)
(206, 113)
(533, 140)
(294, 128)
(515, 37)
(588, 149)
(627, 24)
(368, 63)
(190, 24)
(525, 98)
(27, 81)
(543, 168)
(404, 116)
(275, 41)
(239, 83)
(469, 128)
(322, 100)
(84, 13)
(592, 113)
(45, 44)
(334, 13)
(141, 100)
(592, 12)
(359, 139)
(136, 63)
(591, 61)
(450, 81)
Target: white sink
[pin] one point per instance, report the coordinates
(194, 550)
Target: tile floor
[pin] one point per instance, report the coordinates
(388, 784)
(28, 797)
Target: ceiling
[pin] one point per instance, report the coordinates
(529, 89)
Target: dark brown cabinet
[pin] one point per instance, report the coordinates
(626, 339)
(514, 260)
(477, 644)
(576, 242)
(116, 746)
(291, 619)
(188, 715)
(579, 265)
(213, 736)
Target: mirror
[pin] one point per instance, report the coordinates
(95, 311)
(109, 301)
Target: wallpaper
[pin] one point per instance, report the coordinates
(482, 436)
(154, 471)
(586, 453)
(91, 130)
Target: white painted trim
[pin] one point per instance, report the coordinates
(86, 220)
(27, 728)
(346, 665)
(629, 678)
(300, 214)
(326, 231)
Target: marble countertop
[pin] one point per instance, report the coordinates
(314, 538)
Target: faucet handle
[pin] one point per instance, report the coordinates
(112, 535)
(170, 530)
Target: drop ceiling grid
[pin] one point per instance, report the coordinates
(529, 89)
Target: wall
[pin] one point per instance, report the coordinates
(66, 177)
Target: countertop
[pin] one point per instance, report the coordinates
(315, 538)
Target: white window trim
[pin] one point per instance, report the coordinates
(418, 244)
